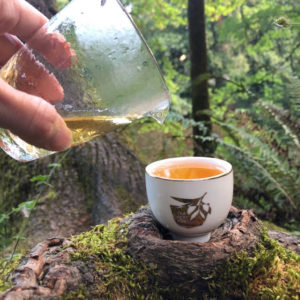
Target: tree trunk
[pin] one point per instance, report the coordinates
(46, 7)
(200, 96)
(221, 268)
(96, 182)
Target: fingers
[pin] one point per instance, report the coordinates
(30, 76)
(9, 45)
(20, 18)
(32, 119)
(54, 47)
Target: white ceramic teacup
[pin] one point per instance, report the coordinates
(190, 208)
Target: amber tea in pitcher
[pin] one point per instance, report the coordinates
(106, 78)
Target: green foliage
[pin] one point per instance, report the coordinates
(61, 3)
(22, 211)
(216, 9)
(10, 236)
(265, 154)
(7, 265)
(255, 96)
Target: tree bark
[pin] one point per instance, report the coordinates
(96, 182)
(200, 95)
(47, 272)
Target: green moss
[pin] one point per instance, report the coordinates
(128, 204)
(271, 226)
(7, 265)
(272, 272)
(80, 293)
(118, 275)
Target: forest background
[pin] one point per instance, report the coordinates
(253, 49)
(254, 90)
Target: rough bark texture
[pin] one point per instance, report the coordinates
(288, 241)
(46, 272)
(149, 243)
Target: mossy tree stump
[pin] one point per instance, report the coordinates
(135, 258)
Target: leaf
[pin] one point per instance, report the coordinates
(54, 165)
(28, 204)
(194, 215)
(190, 209)
(40, 179)
(3, 217)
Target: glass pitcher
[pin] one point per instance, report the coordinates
(107, 76)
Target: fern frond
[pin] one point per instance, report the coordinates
(280, 119)
(294, 93)
(265, 152)
(259, 168)
(187, 122)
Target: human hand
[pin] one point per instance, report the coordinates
(29, 116)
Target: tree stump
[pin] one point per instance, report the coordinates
(153, 245)
(50, 271)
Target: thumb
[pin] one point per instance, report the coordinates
(32, 119)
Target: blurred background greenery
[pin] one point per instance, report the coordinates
(253, 51)
(253, 70)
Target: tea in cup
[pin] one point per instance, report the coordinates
(190, 196)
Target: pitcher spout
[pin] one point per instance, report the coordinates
(160, 112)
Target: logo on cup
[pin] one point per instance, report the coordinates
(192, 213)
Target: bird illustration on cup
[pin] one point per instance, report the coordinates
(192, 213)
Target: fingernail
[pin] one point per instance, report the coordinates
(62, 138)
